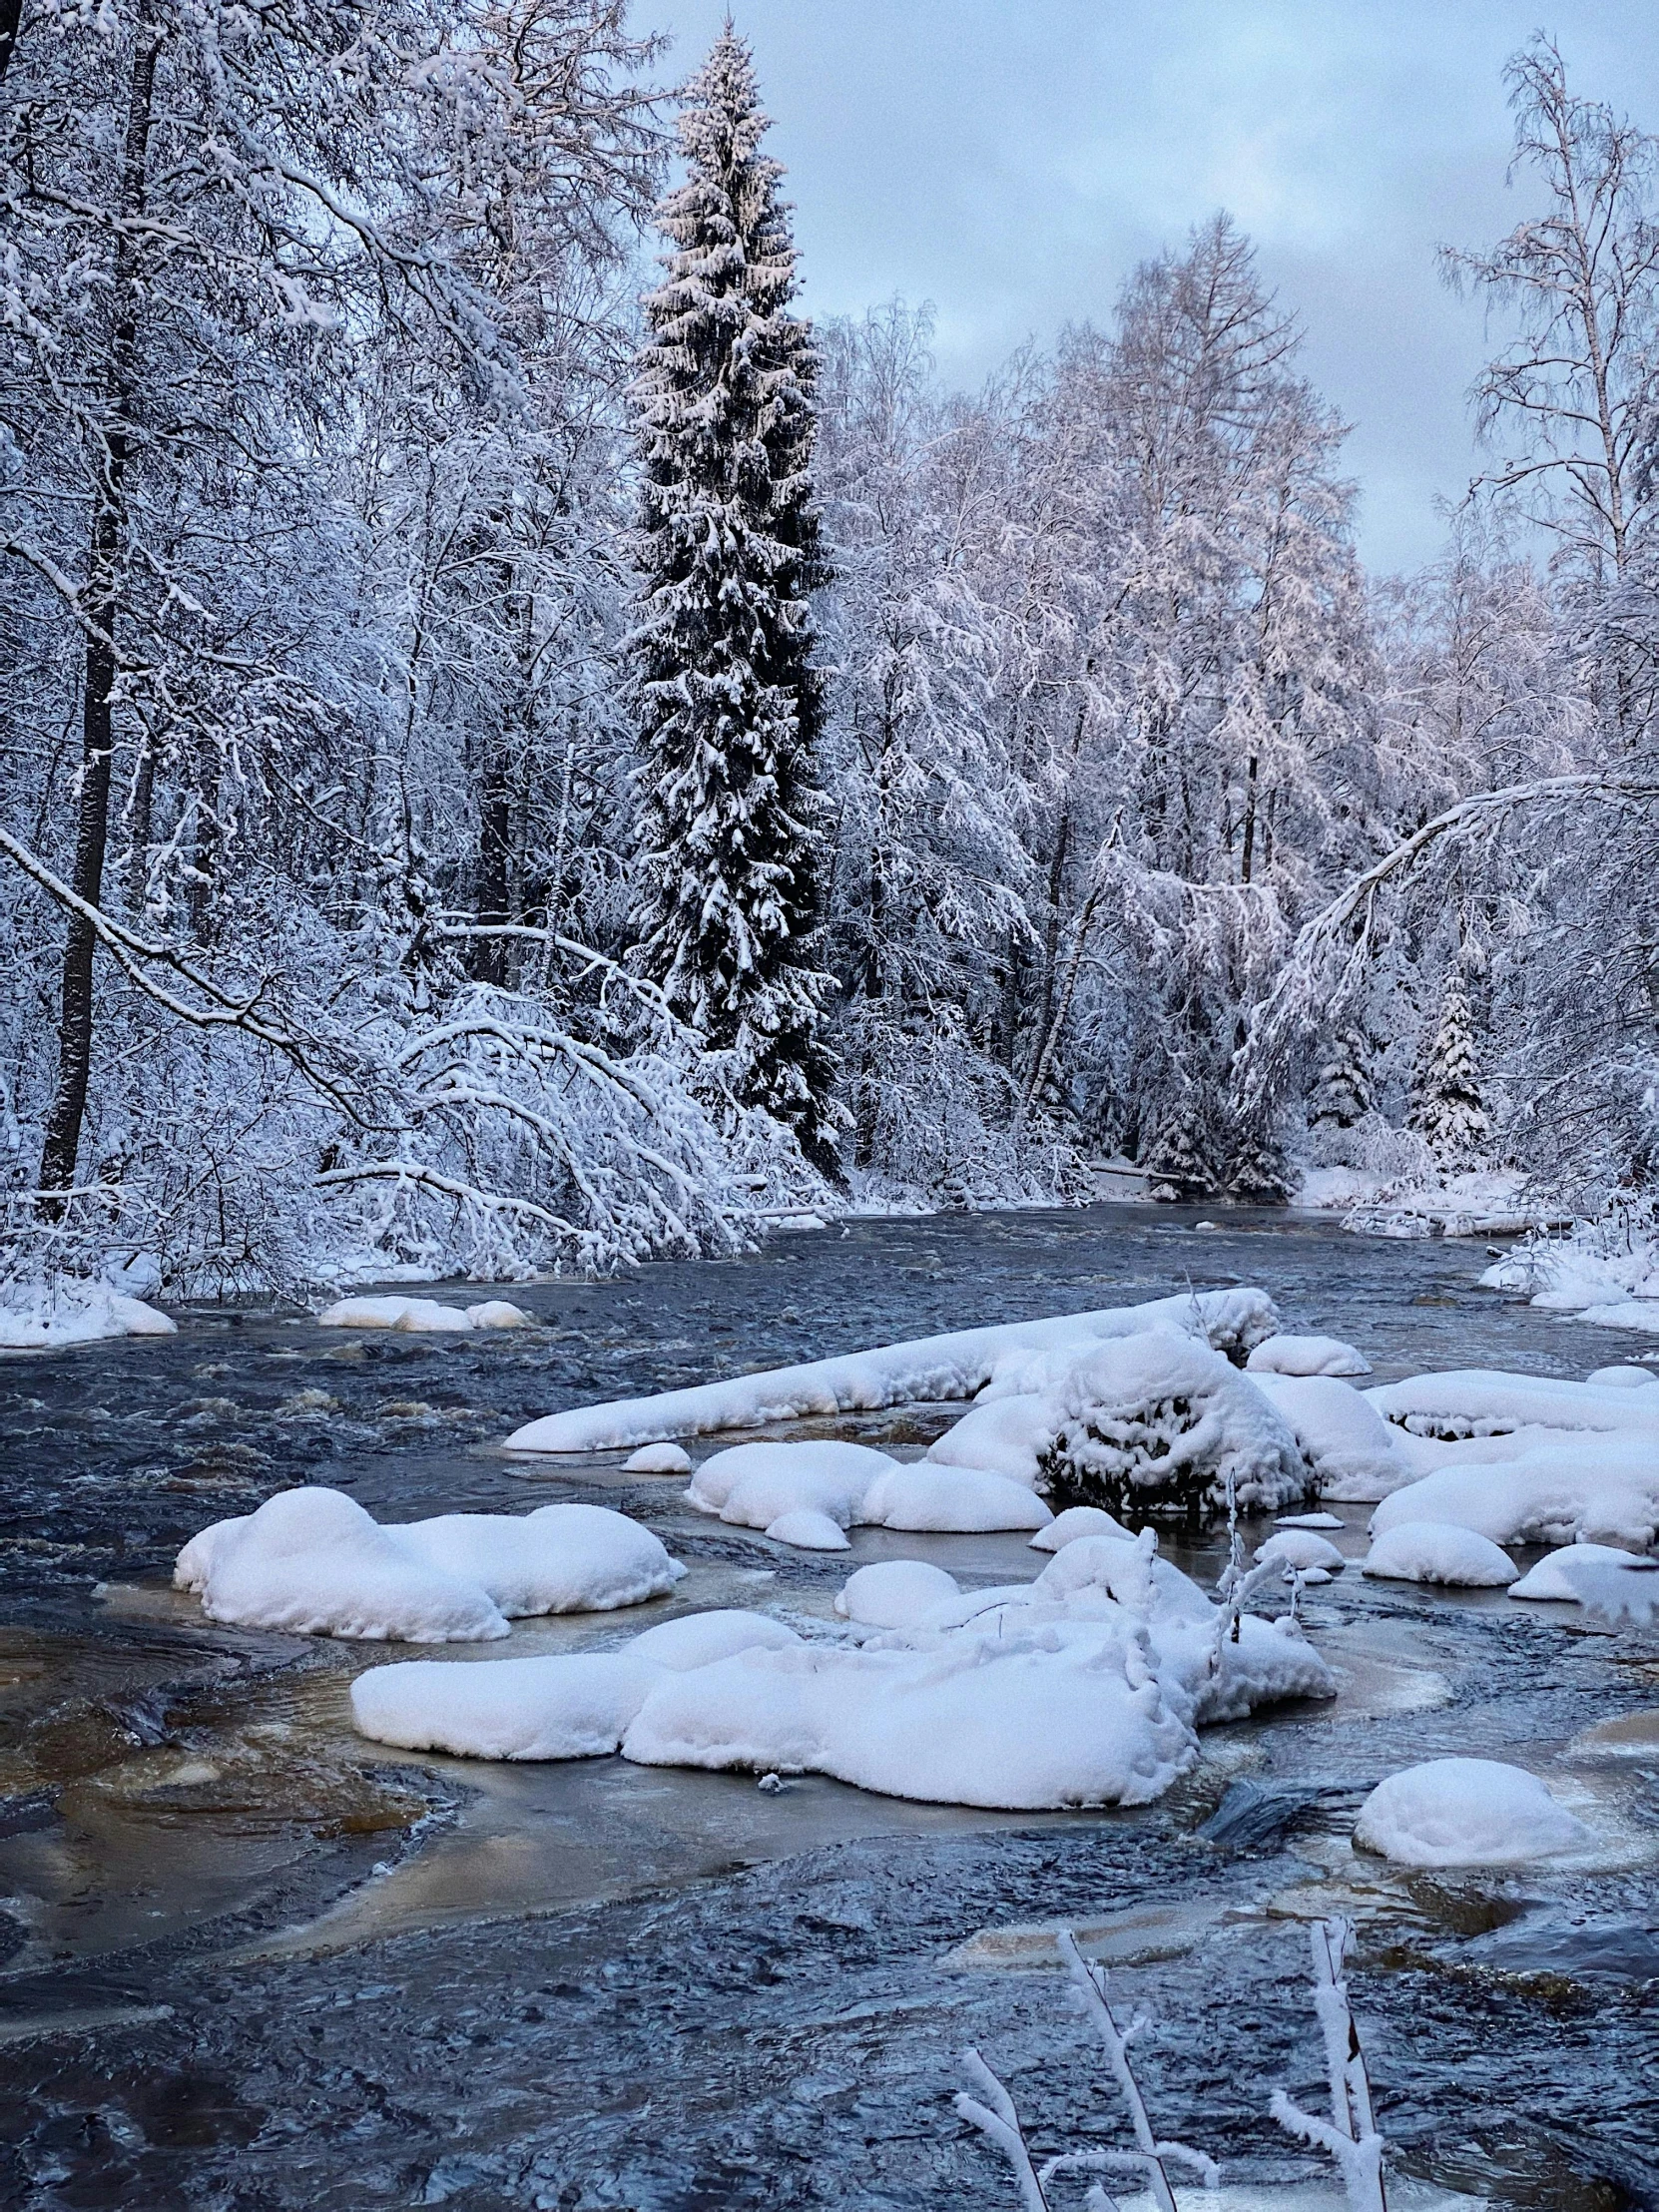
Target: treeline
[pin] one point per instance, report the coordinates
(411, 858)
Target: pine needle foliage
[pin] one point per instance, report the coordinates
(731, 816)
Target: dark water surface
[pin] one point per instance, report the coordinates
(248, 1961)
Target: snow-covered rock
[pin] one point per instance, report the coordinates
(926, 1370)
(1610, 1582)
(1352, 1450)
(658, 1459)
(950, 1501)
(1301, 1547)
(558, 1559)
(1601, 1487)
(1001, 1435)
(417, 1316)
(1622, 1377)
(1466, 1813)
(1077, 1521)
(1484, 1402)
(312, 1563)
(498, 1313)
(1158, 1425)
(573, 1706)
(750, 1485)
(40, 1317)
(896, 1593)
(1305, 1355)
(698, 1640)
(1435, 1551)
(808, 1530)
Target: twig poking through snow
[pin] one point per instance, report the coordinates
(1350, 2136)
(997, 2119)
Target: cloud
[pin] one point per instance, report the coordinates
(1012, 161)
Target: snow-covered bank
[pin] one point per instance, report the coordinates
(1605, 1272)
(1485, 1202)
(926, 1369)
(44, 1316)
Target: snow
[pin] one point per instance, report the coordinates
(807, 1531)
(1609, 1281)
(1622, 1377)
(44, 1316)
(1305, 1355)
(573, 1706)
(658, 1459)
(421, 1316)
(1607, 1492)
(1310, 1520)
(750, 1485)
(951, 1501)
(896, 1593)
(312, 1563)
(1466, 1813)
(1485, 1402)
(1085, 1687)
(558, 1559)
(1001, 1435)
(698, 1640)
(1345, 1440)
(1078, 1520)
(926, 1370)
(1610, 1582)
(1302, 1547)
(1436, 1551)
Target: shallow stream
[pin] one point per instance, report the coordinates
(248, 1961)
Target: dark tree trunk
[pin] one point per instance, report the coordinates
(103, 610)
(11, 16)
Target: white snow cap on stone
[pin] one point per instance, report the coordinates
(807, 1531)
(1305, 1355)
(658, 1459)
(950, 1501)
(1302, 1547)
(1435, 1551)
(1077, 1521)
(1485, 1402)
(924, 1370)
(421, 1316)
(698, 1640)
(498, 1313)
(1001, 1435)
(558, 1559)
(39, 1317)
(1622, 1377)
(573, 1706)
(896, 1593)
(1602, 1487)
(1620, 1584)
(764, 1485)
(1466, 1813)
(1350, 1447)
(312, 1563)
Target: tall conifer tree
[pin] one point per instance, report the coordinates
(730, 832)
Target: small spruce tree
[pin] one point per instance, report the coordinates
(1182, 1158)
(1447, 1108)
(1341, 1088)
(730, 830)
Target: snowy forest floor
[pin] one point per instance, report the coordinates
(253, 1963)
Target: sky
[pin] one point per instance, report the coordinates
(1010, 160)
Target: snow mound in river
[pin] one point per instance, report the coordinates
(1435, 1551)
(40, 1317)
(1605, 1489)
(1466, 1813)
(1085, 1687)
(926, 1370)
(1345, 1440)
(312, 1563)
(1608, 1580)
(421, 1316)
(792, 1489)
(1305, 1355)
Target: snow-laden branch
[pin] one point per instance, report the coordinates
(1350, 2136)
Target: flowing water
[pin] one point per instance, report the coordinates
(248, 1961)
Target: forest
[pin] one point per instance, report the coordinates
(522, 752)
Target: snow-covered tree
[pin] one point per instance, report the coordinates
(731, 816)
(1448, 1109)
(1341, 1092)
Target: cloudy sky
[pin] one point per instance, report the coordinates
(1011, 159)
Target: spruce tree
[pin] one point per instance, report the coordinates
(1341, 1090)
(730, 828)
(1448, 1109)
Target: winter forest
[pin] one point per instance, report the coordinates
(522, 752)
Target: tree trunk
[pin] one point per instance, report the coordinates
(11, 17)
(102, 603)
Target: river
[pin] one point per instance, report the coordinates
(247, 1960)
